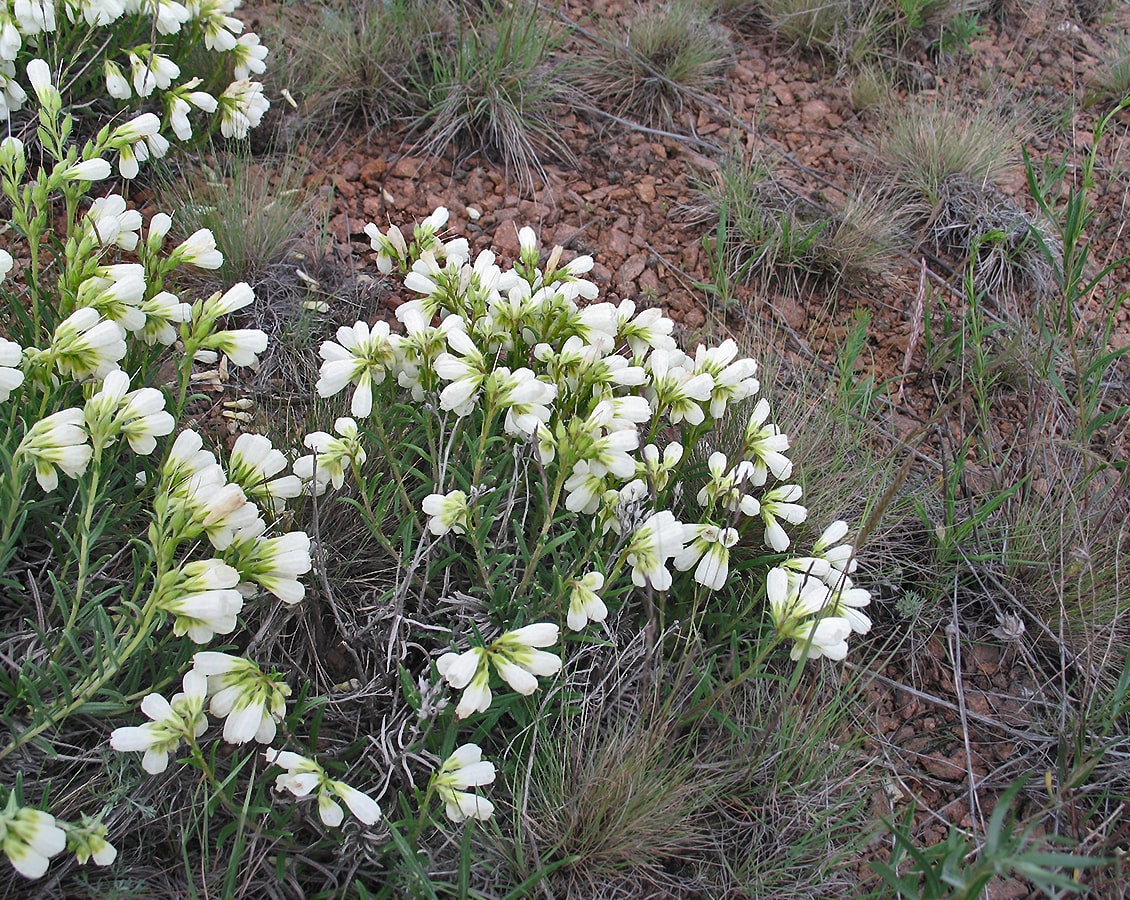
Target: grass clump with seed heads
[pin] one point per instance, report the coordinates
(769, 234)
(363, 61)
(661, 57)
(495, 88)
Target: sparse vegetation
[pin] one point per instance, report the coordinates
(518, 606)
(662, 56)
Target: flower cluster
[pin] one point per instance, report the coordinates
(585, 388)
(114, 62)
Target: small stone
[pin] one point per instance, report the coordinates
(630, 271)
(645, 189)
(407, 167)
(505, 242)
(618, 243)
(783, 94)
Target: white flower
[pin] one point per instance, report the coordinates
(249, 701)
(468, 672)
(766, 445)
(840, 557)
(390, 248)
(801, 610)
(648, 330)
(181, 718)
(585, 604)
(780, 503)
(29, 838)
(516, 660)
(240, 345)
(465, 768)
(139, 416)
(39, 74)
(57, 441)
(651, 545)
(253, 464)
(675, 390)
(241, 108)
(162, 312)
(331, 455)
(733, 378)
(466, 372)
(170, 16)
(34, 16)
(249, 56)
(199, 250)
(117, 85)
(88, 170)
(113, 222)
(275, 563)
(12, 96)
(151, 71)
(11, 355)
(10, 40)
(362, 356)
(86, 344)
(710, 548)
(87, 841)
(303, 775)
(657, 469)
(202, 598)
(448, 512)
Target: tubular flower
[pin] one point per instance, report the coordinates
(800, 608)
(162, 312)
(840, 557)
(116, 292)
(87, 841)
(181, 718)
(710, 548)
(29, 838)
(675, 390)
(241, 107)
(57, 441)
(11, 377)
(202, 598)
(304, 775)
(199, 250)
(466, 372)
(516, 660)
(86, 344)
(465, 768)
(151, 71)
(253, 464)
(274, 563)
(766, 446)
(658, 539)
(139, 416)
(733, 378)
(780, 503)
(249, 701)
(468, 672)
(331, 455)
(109, 219)
(447, 512)
(585, 604)
(657, 469)
(361, 356)
(240, 345)
(249, 56)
